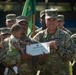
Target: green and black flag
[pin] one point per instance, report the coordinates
(29, 10)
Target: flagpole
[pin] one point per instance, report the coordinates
(33, 26)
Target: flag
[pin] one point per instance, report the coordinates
(28, 10)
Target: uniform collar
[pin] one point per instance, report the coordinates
(46, 33)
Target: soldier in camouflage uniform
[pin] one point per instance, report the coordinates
(10, 20)
(42, 21)
(5, 33)
(26, 67)
(74, 66)
(61, 24)
(62, 50)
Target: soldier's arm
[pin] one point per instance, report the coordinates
(67, 51)
(74, 38)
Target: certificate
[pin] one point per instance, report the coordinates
(38, 48)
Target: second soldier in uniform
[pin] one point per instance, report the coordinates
(62, 49)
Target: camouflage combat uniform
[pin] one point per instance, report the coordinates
(58, 61)
(27, 66)
(74, 37)
(74, 66)
(3, 50)
(3, 54)
(42, 21)
(61, 24)
(5, 44)
(2, 57)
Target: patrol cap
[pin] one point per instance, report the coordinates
(21, 18)
(60, 17)
(42, 13)
(10, 17)
(5, 30)
(51, 13)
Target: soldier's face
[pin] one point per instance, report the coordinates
(60, 24)
(24, 26)
(51, 23)
(10, 23)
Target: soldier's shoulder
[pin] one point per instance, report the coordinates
(68, 31)
(63, 32)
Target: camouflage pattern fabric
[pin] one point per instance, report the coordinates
(74, 65)
(27, 66)
(11, 72)
(3, 54)
(68, 31)
(6, 60)
(58, 61)
(74, 37)
(3, 50)
(11, 61)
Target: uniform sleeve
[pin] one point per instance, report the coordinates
(74, 38)
(67, 51)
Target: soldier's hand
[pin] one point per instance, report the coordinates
(52, 44)
(42, 58)
(29, 56)
(27, 43)
(26, 57)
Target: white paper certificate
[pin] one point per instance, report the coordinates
(39, 48)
